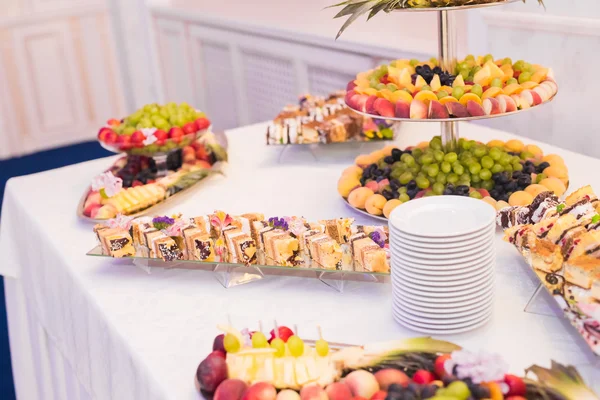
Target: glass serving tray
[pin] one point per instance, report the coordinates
(232, 274)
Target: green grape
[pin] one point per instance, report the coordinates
(147, 108)
(467, 145)
(476, 69)
(527, 154)
(374, 82)
(462, 65)
(488, 185)
(475, 178)
(433, 170)
(517, 167)
(460, 142)
(441, 94)
(416, 153)
(426, 87)
(435, 145)
(279, 346)
(452, 178)
(408, 159)
(477, 89)
(422, 182)
(392, 87)
(259, 340)
(495, 153)
(540, 177)
(295, 345)
(406, 177)
(404, 198)
(135, 117)
(496, 82)
(524, 77)
(231, 343)
(402, 189)
(474, 168)
(438, 188)
(446, 167)
(430, 193)
(154, 110)
(527, 67)
(480, 151)
(506, 159)
(497, 168)
(463, 182)
(438, 155)
(414, 62)
(396, 173)
(470, 57)
(507, 60)
(487, 162)
(415, 169)
(458, 92)
(508, 168)
(441, 178)
(465, 73)
(488, 57)
(485, 174)
(381, 86)
(518, 66)
(475, 194)
(157, 118)
(322, 347)
(515, 159)
(164, 112)
(458, 169)
(426, 159)
(451, 157)
(129, 130)
(511, 81)
(431, 179)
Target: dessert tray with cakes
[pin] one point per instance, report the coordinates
(156, 168)
(500, 173)
(247, 365)
(325, 120)
(249, 244)
(560, 240)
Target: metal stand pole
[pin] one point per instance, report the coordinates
(447, 60)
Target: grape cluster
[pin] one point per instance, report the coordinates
(161, 117)
(427, 73)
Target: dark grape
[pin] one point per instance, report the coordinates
(540, 168)
(529, 169)
(511, 186)
(462, 190)
(428, 391)
(395, 184)
(516, 174)
(388, 195)
(379, 178)
(395, 388)
(414, 388)
(389, 160)
(396, 154)
(411, 185)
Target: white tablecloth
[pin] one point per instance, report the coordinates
(83, 327)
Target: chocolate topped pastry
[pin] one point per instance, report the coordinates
(580, 208)
(543, 206)
(511, 216)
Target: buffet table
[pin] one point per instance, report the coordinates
(84, 327)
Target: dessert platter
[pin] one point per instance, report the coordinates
(246, 365)
(500, 173)
(560, 240)
(156, 168)
(325, 120)
(249, 242)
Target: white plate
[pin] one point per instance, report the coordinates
(442, 308)
(404, 260)
(411, 252)
(443, 281)
(443, 302)
(442, 253)
(446, 293)
(444, 314)
(464, 320)
(488, 230)
(442, 246)
(439, 330)
(442, 216)
(442, 287)
(437, 271)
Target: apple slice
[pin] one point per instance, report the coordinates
(474, 109)
(418, 110)
(384, 107)
(351, 85)
(544, 92)
(458, 81)
(522, 104)
(552, 85)
(420, 82)
(537, 99)
(370, 104)
(405, 77)
(491, 106)
(437, 110)
(510, 105)
(435, 83)
(456, 110)
(349, 94)
(352, 101)
(402, 109)
(501, 104)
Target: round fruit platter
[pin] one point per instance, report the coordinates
(500, 173)
(248, 365)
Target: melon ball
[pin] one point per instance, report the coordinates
(375, 203)
(363, 160)
(387, 150)
(557, 171)
(536, 189)
(554, 159)
(520, 198)
(358, 197)
(389, 207)
(514, 145)
(555, 185)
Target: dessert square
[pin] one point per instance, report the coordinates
(328, 254)
(202, 247)
(582, 271)
(120, 244)
(167, 249)
(340, 229)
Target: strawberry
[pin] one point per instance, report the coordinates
(202, 123)
(176, 134)
(190, 128)
(138, 137)
(423, 377)
(438, 366)
(516, 386)
(160, 135)
(110, 137)
(102, 133)
(284, 333)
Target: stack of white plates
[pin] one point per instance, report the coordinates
(442, 263)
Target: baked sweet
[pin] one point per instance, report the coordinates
(138, 227)
(582, 271)
(202, 223)
(201, 247)
(546, 256)
(369, 256)
(120, 244)
(150, 236)
(326, 252)
(588, 244)
(166, 248)
(340, 229)
(285, 251)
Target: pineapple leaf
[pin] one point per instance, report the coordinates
(349, 9)
(357, 13)
(563, 379)
(345, 3)
(376, 9)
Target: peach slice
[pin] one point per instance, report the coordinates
(491, 106)
(370, 104)
(384, 107)
(529, 85)
(506, 103)
(370, 91)
(483, 77)
(426, 96)
(527, 97)
(469, 96)
(491, 92)
(437, 110)
(385, 93)
(362, 83)
(358, 197)
(474, 109)
(501, 104)
(435, 83)
(349, 94)
(521, 103)
(420, 82)
(537, 99)
(447, 89)
(511, 89)
(457, 110)
(551, 85)
(515, 145)
(543, 91)
(401, 95)
(418, 110)
(402, 109)
(459, 81)
(448, 99)
(351, 85)
(352, 102)
(539, 75)
(361, 102)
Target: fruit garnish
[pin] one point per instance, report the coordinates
(283, 332)
(259, 340)
(560, 207)
(279, 346)
(295, 345)
(423, 377)
(438, 366)
(231, 343)
(516, 386)
(321, 345)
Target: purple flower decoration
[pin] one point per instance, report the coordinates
(378, 238)
(161, 223)
(278, 223)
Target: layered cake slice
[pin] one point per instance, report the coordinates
(310, 241)
(595, 292)
(327, 253)
(189, 234)
(340, 229)
(562, 226)
(369, 256)
(259, 229)
(582, 271)
(103, 233)
(588, 245)
(149, 237)
(546, 256)
(138, 227)
(202, 223)
(245, 221)
(268, 241)
(167, 249)
(579, 194)
(245, 249)
(120, 244)
(285, 251)
(97, 229)
(201, 247)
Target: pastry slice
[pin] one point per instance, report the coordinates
(269, 241)
(138, 227)
(167, 249)
(580, 209)
(202, 247)
(312, 229)
(595, 292)
(520, 236)
(202, 223)
(149, 237)
(229, 234)
(585, 192)
(561, 227)
(310, 240)
(543, 206)
(340, 229)
(327, 253)
(368, 256)
(582, 271)
(546, 256)
(97, 229)
(245, 248)
(259, 229)
(189, 234)
(588, 244)
(286, 251)
(103, 234)
(120, 244)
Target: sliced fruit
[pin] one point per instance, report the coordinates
(507, 103)
(402, 109)
(420, 82)
(426, 96)
(435, 83)
(448, 99)
(457, 110)
(437, 110)
(543, 91)
(491, 106)
(386, 94)
(401, 95)
(459, 81)
(539, 75)
(511, 89)
(370, 91)
(474, 109)
(418, 110)
(529, 85)
(370, 104)
(405, 77)
(469, 97)
(491, 92)
(483, 77)
(384, 107)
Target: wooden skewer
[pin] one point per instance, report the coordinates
(320, 332)
(276, 329)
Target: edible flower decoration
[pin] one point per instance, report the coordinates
(120, 221)
(560, 207)
(149, 135)
(161, 223)
(278, 223)
(220, 220)
(379, 237)
(247, 336)
(479, 367)
(107, 184)
(295, 225)
(220, 248)
(176, 228)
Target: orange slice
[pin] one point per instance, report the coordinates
(385, 93)
(448, 99)
(401, 95)
(470, 96)
(514, 88)
(446, 89)
(370, 91)
(495, 390)
(529, 85)
(425, 96)
(491, 92)
(539, 75)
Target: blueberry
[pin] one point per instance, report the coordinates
(511, 186)
(496, 176)
(411, 185)
(388, 195)
(396, 154)
(504, 197)
(395, 388)
(503, 179)
(426, 67)
(389, 160)
(395, 184)
(412, 193)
